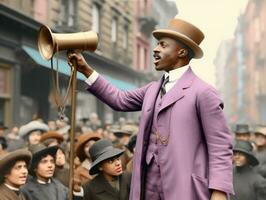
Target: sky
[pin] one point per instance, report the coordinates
(218, 20)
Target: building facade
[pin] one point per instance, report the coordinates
(247, 67)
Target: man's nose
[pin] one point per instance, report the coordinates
(156, 49)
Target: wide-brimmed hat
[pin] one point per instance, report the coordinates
(52, 135)
(242, 129)
(260, 130)
(246, 148)
(82, 140)
(184, 32)
(21, 154)
(101, 151)
(32, 126)
(38, 152)
(2, 126)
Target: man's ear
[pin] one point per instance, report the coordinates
(182, 53)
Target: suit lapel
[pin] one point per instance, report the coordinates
(178, 91)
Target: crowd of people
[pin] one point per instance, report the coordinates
(249, 162)
(39, 153)
(34, 160)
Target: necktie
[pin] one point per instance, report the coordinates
(163, 90)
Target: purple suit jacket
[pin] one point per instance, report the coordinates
(198, 157)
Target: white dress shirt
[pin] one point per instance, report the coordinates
(174, 75)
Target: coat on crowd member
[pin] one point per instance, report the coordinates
(242, 132)
(248, 184)
(31, 132)
(42, 185)
(111, 183)
(131, 147)
(52, 138)
(85, 141)
(260, 140)
(14, 172)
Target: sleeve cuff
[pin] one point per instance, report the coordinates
(80, 193)
(92, 78)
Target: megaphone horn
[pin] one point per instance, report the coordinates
(49, 42)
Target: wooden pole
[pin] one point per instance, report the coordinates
(72, 129)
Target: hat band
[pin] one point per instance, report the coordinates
(106, 149)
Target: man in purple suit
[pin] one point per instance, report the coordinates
(184, 146)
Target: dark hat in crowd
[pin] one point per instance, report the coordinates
(246, 148)
(101, 151)
(39, 151)
(26, 129)
(132, 143)
(3, 142)
(242, 129)
(6, 159)
(82, 140)
(51, 135)
(184, 32)
(261, 130)
(2, 126)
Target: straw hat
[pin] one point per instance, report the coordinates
(185, 32)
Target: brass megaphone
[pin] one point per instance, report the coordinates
(49, 42)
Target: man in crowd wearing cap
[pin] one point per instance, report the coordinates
(14, 172)
(242, 132)
(111, 183)
(42, 185)
(184, 146)
(260, 140)
(248, 184)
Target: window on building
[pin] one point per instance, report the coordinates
(67, 12)
(96, 18)
(125, 37)
(5, 92)
(114, 30)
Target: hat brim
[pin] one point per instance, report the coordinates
(20, 154)
(38, 155)
(159, 33)
(252, 159)
(107, 155)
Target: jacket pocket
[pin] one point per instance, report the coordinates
(200, 185)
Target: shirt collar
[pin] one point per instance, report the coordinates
(175, 74)
(11, 187)
(43, 182)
